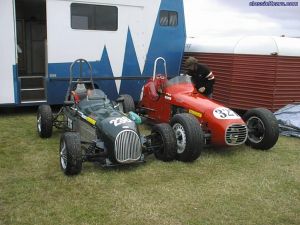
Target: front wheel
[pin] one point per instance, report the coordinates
(163, 136)
(189, 135)
(44, 121)
(70, 153)
(263, 130)
(128, 104)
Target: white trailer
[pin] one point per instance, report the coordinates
(120, 38)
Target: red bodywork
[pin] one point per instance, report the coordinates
(161, 99)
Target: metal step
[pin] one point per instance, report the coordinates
(28, 82)
(33, 95)
(30, 102)
(32, 89)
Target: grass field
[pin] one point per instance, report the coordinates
(226, 186)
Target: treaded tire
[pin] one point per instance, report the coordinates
(189, 135)
(70, 156)
(263, 130)
(168, 150)
(128, 104)
(44, 121)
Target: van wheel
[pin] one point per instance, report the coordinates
(44, 121)
(189, 135)
(164, 136)
(70, 153)
(128, 104)
(263, 130)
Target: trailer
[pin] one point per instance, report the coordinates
(120, 39)
(251, 71)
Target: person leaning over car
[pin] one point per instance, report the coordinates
(202, 76)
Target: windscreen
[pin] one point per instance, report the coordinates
(179, 80)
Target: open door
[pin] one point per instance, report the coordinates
(31, 47)
(8, 74)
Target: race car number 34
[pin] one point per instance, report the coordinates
(225, 113)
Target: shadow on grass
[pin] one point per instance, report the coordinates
(89, 167)
(222, 151)
(23, 110)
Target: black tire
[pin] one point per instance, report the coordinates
(263, 130)
(128, 104)
(44, 121)
(165, 137)
(189, 135)
(70, 156)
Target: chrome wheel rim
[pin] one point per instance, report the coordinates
(180, 137)
(39, 126)
(63, 155)
(256, 129)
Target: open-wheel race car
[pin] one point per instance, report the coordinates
(97, 129)
(199, 121)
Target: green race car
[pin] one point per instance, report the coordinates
(97, 129)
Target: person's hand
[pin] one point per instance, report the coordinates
(201, 90)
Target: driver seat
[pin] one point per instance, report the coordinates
(80, 92)
(160, 83)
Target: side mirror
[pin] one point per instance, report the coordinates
(69, 103)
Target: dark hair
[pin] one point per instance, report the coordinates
(88, 85)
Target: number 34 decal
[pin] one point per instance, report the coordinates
(225, 113)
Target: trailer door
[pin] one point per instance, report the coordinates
(8, 74)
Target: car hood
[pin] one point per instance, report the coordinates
(112, 126)
(204, 107)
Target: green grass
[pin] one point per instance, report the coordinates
(226, 186)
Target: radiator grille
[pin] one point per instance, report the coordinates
(236, 134)
(127, 147)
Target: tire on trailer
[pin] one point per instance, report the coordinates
(189, 135)
(70, 155)
(165, 137)
(263, 130)
(44, 121)
(127, 104)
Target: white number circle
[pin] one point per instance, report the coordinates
(223, 113)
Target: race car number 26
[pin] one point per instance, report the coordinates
(119, 121)
(225, 113)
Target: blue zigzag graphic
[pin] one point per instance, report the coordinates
(103, 68)
(56, 90)
(131, 68)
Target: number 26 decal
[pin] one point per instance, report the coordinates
(120, 120)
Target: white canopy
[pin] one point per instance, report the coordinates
(254, 45)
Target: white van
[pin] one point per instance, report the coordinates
(121, 39)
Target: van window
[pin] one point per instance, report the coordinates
(168, 18)
(94, 17)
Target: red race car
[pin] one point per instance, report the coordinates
(198, 120)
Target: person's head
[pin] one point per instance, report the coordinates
(88, 86)
(191, 65)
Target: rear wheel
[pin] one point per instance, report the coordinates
(44, 121)
(164, 137)
(262, 127)
(189, 136)
(70, 153)
(128, 104)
